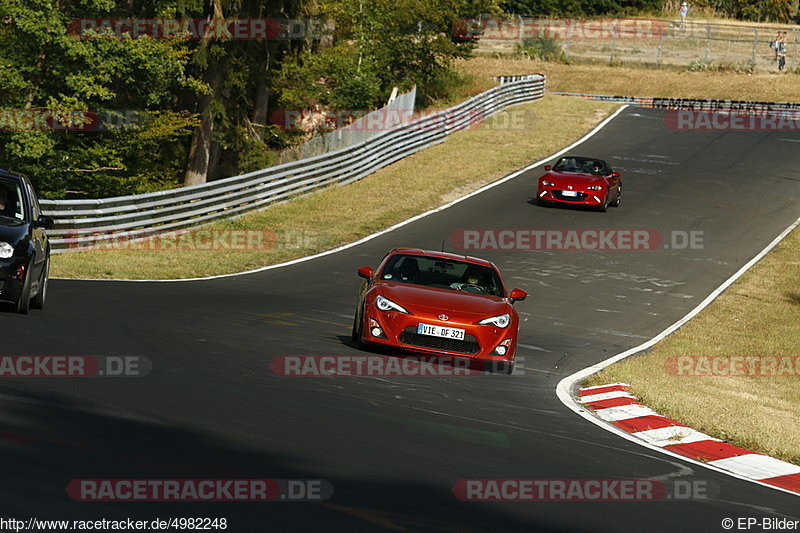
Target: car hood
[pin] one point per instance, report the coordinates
(12, 231)
(560, 179)
(416, 298)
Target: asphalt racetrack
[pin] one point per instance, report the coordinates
(393, 448)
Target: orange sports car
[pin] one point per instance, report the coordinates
(437, 302)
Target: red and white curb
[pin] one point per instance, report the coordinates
(615, 405)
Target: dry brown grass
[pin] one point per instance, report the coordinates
(757, 316)
(630, 81)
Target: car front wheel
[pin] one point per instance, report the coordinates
(38, 300)
(619, 197)
(355, 335)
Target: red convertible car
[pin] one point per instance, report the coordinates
(580, 181)
(440, 303)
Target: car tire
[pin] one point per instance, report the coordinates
(604, 206)
(41, 296)
(355, 335)
(24, 302)
(618, 199)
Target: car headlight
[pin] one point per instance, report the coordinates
(6, 250)
(595, 187)
(501, 321)
(547, 183)
(385, 304)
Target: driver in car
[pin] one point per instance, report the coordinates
(471, 279)
(5, 209)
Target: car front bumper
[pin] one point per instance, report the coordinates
(399, 330)
(10, 286)
(583, 197)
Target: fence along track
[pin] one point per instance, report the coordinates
(82, 224)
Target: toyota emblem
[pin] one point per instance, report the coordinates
(444, 317)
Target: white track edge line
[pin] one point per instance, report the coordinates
(383, 231)
(566, 385)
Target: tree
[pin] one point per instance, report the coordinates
(110, 99)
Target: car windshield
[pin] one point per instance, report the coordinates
(583, 165)
(11, 200)
(443, 274)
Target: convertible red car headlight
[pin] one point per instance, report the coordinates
(595, 187)
(385, 304)
(547, 183)
(501, 321)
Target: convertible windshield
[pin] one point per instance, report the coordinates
(583, 165)
(11, 200)
(443, 274)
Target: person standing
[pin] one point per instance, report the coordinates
(774, 44)
(683, 12)
(780, 50)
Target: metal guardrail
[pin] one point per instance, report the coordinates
(747, 107)
(82, 224)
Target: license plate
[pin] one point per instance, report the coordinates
(440, 331)
(569, 193)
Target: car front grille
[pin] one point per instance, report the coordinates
(469, 345)
(560, 195)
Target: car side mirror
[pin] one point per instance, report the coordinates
(547, 167)
(365, 272)
(45, 222)
(615, 174)
(517, 295)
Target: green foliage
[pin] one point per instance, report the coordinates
(163, 88)
(44, 67)
(757, 10)
(579, 8)
(381, 44)
(543, 49)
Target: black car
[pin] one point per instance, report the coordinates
(24, 248)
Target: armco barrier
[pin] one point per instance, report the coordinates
(87, 223)
(691, 104)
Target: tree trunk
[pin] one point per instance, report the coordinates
(200, 151)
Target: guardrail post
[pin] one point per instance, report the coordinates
(755, 47)
(569, 37)
(658, 51)
(794, 56)
(613, 44)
